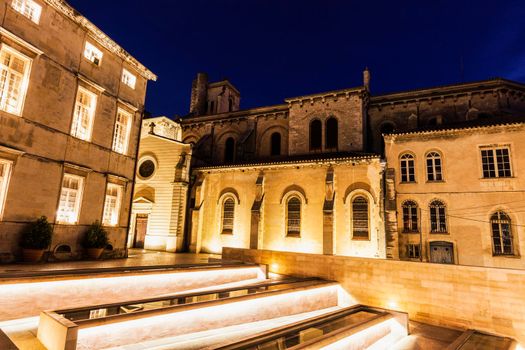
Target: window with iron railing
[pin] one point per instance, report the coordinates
(501, 234)
(293, 216)
(360, 220)
(228, 215)
(438, 219)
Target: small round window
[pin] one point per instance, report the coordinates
(146, 168)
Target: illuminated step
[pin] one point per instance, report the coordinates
(353, 328)
(28, 296)
(134, 322)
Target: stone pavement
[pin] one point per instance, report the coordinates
(136, 257)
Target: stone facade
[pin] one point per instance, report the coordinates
(69, 68)
(486, 299)
(326, 190)
(256, 154)
(469, 193)
(159, 199)
(400, 111)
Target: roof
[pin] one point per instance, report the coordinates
(97, 34)
(450, 88)
(463, 125)
(299, 159)
(232, 115)
(325, 93)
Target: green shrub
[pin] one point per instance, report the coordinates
(37, 235)
(96, 236)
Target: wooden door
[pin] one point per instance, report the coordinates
(442, 252)
(141, 227)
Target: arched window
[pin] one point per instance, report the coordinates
(316, 135)
(229, 150)
(275, 141)
(331, 142)
(434, 167)
(438, 219)
(230, 104)
(501, 234)
(407, 168)
(410, 217)
(360, 218)
(293, 216)
(228, 213)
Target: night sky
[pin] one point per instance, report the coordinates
(273, 49)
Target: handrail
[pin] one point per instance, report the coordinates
(301, 325)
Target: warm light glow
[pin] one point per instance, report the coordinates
(392, 305)
(200, 319)
(79, 291)
(274, 267)
(92, 53)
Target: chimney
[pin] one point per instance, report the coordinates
(366, 79)
(199, 92)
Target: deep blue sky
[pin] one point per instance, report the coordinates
(273, 49)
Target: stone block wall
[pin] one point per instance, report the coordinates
(487, 299)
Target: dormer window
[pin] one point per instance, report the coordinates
(129, 78)
(28, 8)
(93, 54)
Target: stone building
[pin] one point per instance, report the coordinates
(71, 105)
(460, 192)
(427, 107)
(318, 160)
(159, 200)
(293, 176)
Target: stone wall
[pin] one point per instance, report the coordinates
(38, 143)
(325, 188)
(487, 299)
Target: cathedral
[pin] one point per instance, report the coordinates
(326, 173)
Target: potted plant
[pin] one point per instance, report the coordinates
(96, 240)
(35, 239)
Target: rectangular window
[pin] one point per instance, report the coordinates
(496, 162)
(28, 8)
(5, 173)
(84, 114)
(70, 199)
(14, 79)
(129, 78)
(413, 251)
(112, 205)
(122, 131)
(92, 53)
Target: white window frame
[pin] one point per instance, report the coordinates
(112, 218)
(117, 147)
(4, 183)
(436, 171)
(404, 167)
(93, 54)
(73, 219)
(28, 8)
(129, 78)
(24, 84)
(91, 113)
(494, 157)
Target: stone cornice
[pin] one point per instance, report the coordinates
(100, 37)
(335, 94)
(446, 91)
(411, 135)
(290, 163)
(270, 111)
